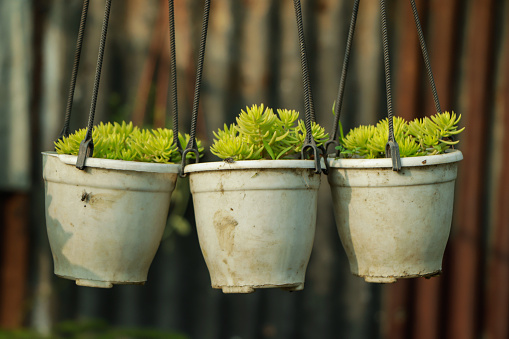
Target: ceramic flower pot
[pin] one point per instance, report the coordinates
(105, 222)
(256, 221)
(394, 224)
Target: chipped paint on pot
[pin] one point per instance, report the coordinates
(256, 221)
(394, 224)
(105, 222)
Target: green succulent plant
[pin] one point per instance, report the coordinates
(127, 142)
(259, 133)
(427, 136)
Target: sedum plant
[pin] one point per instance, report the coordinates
(127, 142)
(427, 136)
(259, 133)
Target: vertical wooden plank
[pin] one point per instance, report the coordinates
(15, 76)
(409, 68)
(466, 240)
(497, 308)
(367, 67)
(324, 29)
(396, 317)
(54, 78)
(163, 73)
(187, 42)
(253, 76)
(331, 30)
(14, 259)
(149, 66)
(443, 51)
(426, 320)
(133, 23)
(254, 52)
(409, 72)
(219, 105)
(289, 73)
(47, 118)
(441, 48)
(496, 325)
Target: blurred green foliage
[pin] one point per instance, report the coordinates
(92, 329)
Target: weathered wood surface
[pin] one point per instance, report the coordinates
(15, 94)
(252, 57)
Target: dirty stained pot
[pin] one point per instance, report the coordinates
(394, 224)
(105, 222)
(256, 221)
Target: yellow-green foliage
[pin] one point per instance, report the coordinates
(427, 136)
(261, 134)
(126, 142)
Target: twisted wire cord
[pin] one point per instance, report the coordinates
(173, 75)
(311, 103)
(425, 56)
(74, 75)
(385, 42)
(344, 71)
(199, 72)
(98, 69)
(305, 73)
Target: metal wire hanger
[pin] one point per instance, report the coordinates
(192, 145)
(339, 101)
(392, 148)
(87, 144)
(74, 75)
(309, 142)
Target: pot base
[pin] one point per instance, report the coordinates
(94, 283)
(393, 279)
(99, 283)
(237, 289)
(251, 289)
(380, 280)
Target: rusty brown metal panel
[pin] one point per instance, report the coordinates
(14, 259)
(466, 239)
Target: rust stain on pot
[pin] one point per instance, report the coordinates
(103, 200)
(85, 196)
(225, 224)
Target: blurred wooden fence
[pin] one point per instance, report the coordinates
(252, 56)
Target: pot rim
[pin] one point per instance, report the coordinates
(249, 164)
(427, 160)
(117, 164)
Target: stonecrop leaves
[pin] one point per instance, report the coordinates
(127, 142)
(262, 134)
(427, 136)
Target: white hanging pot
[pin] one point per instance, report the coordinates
(105, 222)
(394, 224)
(256, 221)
